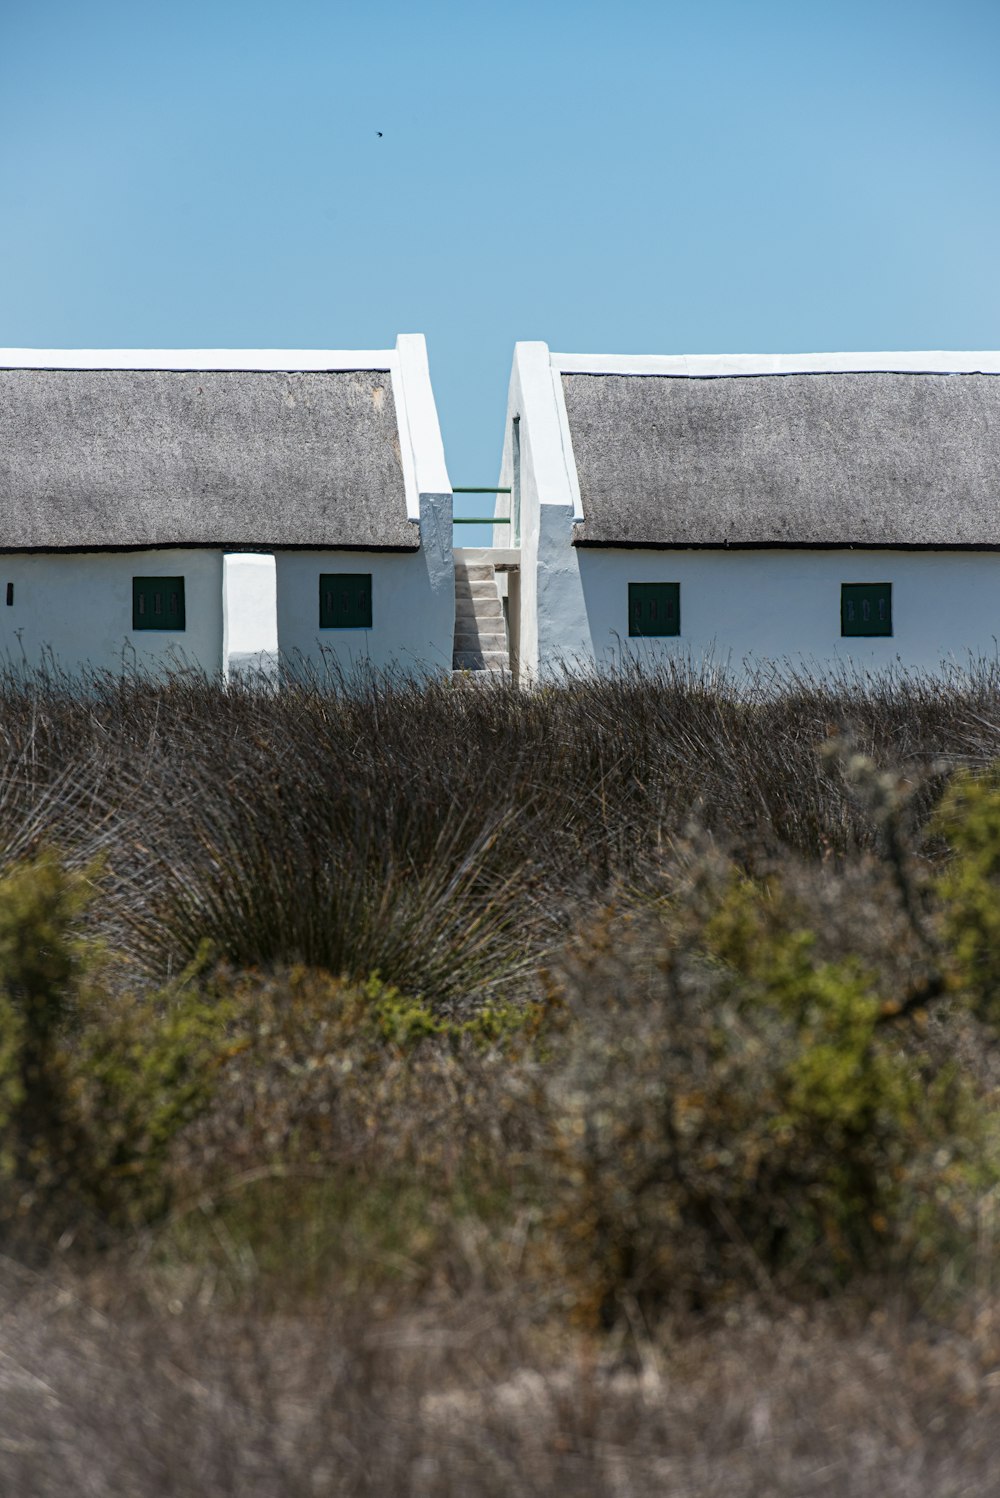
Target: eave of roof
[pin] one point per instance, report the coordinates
(206, 359)
(722, 366)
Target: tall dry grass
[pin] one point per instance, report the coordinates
(442, 836)
(176, 1401)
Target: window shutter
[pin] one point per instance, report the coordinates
(654, 610)
(865, 609)
(158, 603)
(345, 600)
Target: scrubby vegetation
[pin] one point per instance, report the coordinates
(418, 1089)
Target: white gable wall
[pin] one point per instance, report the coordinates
(74, 610)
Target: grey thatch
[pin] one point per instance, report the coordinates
(787, 460)
(91, 459)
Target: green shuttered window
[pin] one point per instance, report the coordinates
(158, 603)
(866, 609)
(345, 600)
(654, 609)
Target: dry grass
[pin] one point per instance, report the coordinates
(450, 1401)
(358, 1285)
(442, 836)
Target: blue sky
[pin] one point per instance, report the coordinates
(722, 176)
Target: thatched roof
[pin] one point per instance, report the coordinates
(265, 459)
(844, 459)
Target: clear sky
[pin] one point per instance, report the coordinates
(706, 176)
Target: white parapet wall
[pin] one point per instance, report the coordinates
(546, 498)
(73, 610)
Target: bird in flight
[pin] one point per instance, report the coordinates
(379, 134)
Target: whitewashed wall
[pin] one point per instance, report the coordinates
(413, 604)
(75, 610)
(250, 629)
(773, 605)
(552, 620)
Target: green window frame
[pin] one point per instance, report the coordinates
(865, 609)
(345, 600)
(158, 603)
(654, 610)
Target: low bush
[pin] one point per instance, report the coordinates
(353, 1136)
(94, 1084)
(741, 1100)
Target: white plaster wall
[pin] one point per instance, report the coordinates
(784, 605)
(413, 604)
(250, 639)
(548, 503)
(527, 626)
(248, 589)
(75, 610)
(563, 625)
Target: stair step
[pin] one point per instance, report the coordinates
(474, 572)
(479, 640)
(483, 588)
(480, 633)
(480, 660)
(487, 610)
(486, 594)
(490, 624)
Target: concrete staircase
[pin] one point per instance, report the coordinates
(480, 631)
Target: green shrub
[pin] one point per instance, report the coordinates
(969, 887)
(93, 1084)
(142, 1068)
(354, 1135)
(729, 1109)
(42, 972)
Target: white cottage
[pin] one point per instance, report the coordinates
(809, 508)
(126, 476)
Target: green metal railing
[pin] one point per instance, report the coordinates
(480, 519)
